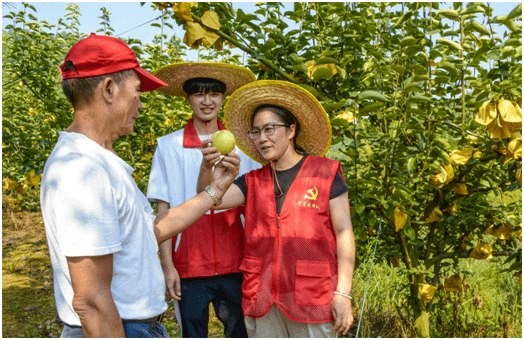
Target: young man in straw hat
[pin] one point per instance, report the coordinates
(102, 235)
(201, 265)
(299, 251)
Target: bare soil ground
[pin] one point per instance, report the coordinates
(28, 303)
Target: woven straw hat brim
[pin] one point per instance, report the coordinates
(315, 128)
(175, 75)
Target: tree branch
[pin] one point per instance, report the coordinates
(459, 128)
(252, 52)
(444, 256)
(480, 189)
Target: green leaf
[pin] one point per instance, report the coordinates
(359, 207)
(472, 9)
(322, 73)
(299, 67)
(410, 85)
(518, 52)
(515, 12)
(310, 89)
(494, 55)
(419, 98)
(422, 77)
(399, 69)
(331, 106)
(443, 155)
(370, 108)
(409, 232)
(512, 42)
(446, 65)
(339, 122)
(31, 6)
(449, 43)
(409, 40)
(326, 60)
(412, 164)
(507, 51)
(500, 18)
(448, 13)
(159, 116)
(372, 95)
(403, 18)
(479, 28)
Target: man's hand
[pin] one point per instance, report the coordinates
(343, 314)
(225, 172)
(211, 156)
(173, 289)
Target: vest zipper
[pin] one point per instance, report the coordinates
(214, 241)
(276, 262)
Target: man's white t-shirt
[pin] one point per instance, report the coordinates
(92, 207)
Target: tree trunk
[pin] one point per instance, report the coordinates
(420, 315)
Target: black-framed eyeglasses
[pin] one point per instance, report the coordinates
(268, 130)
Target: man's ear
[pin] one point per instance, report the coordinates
(187, 98)
(108, 87)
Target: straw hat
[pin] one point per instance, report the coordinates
(315, 128)
(176, 74)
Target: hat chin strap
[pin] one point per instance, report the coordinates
(275, 179)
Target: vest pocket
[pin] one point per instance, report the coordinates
(251, 267)
(312, 284)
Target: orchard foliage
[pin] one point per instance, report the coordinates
(408, 87)
(425, 103)
(34, 108)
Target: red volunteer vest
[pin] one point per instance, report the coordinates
(212, 245)
(290, 259)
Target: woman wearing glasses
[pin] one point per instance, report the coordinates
(299, 249)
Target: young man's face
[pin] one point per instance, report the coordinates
(205, 106)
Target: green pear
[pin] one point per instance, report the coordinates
(223, 141)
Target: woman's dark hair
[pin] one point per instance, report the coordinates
(285, 117)
(81, 89)
(203, 85)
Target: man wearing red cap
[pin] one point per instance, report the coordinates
(102, 234)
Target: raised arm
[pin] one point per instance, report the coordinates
(175, 220)
(341, 220)
(211, 159)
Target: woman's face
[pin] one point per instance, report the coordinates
(272, 147)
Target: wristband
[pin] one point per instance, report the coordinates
(339, 292)
(213, 195)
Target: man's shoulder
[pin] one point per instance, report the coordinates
(68, 161)
(70, 152)
(73, 157)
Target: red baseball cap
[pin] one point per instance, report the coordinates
(97, 55)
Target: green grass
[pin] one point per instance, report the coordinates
(490, 306)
